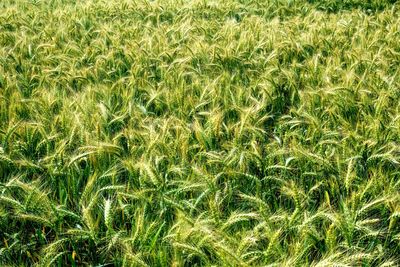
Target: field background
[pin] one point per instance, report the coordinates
(199, 133)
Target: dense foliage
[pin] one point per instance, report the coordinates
(198, 133)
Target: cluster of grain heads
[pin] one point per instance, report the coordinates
(199, 133)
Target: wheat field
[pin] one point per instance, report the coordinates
(200, 133)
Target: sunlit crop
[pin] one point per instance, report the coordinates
(200, 133)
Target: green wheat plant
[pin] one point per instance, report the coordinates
(200, 133)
